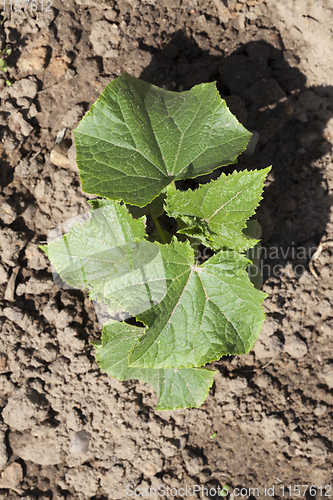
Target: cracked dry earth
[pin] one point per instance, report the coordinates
(67, 431)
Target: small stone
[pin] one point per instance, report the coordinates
(72, 158)
(32, 111)
(7, 213)
(295, 347)
(223, 12)
(64, 318)
(80, 443)
(262, 381)
(59, 159)
(11, 476)
(59, 154)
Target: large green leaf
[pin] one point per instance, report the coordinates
(110, 256)
(208, 311)
(183, 388)
(137, 138)
(216, 213)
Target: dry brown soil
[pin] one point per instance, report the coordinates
(67, 431)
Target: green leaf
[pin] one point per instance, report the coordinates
(184, 388)
(3, 65)
(137, 138)
(217, 212)
(208, 311)
(110, 256)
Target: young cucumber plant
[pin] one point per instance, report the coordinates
(133, 144)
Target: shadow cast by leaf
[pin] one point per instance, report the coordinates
(268, 96)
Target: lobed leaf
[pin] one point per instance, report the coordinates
(184, 388)
(137, 138)
(110, 256)
(208, 311)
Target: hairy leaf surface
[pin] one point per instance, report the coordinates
(137, 138)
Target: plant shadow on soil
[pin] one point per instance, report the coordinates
(268, 96)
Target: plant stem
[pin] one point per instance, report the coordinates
(159, 229)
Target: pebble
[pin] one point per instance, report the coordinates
(58, 158)
(80, 443)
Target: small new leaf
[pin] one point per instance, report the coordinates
(216, 213)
